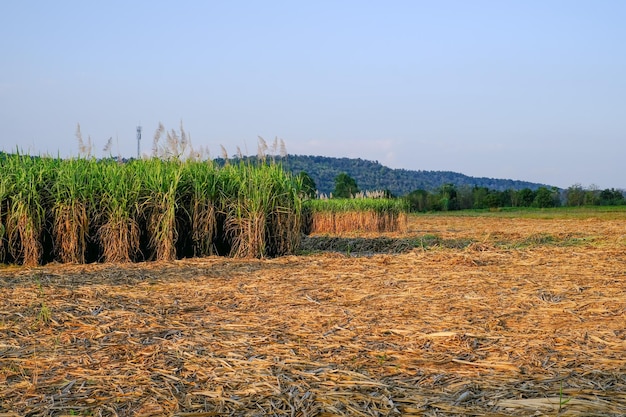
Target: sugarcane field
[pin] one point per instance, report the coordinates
(483, 314)
(313, 208)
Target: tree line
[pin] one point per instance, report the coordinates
(371, 175)
(451, 197)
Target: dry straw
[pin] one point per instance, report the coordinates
(363, 214)
(502, 327)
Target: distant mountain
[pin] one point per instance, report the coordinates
(371, 175)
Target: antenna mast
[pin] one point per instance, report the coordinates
(138, 142)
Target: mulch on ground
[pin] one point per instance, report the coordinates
(512, 323)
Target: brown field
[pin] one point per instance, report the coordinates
(504, 316)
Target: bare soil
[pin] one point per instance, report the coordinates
(457, 316)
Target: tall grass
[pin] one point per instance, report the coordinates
(285, 220)
(25, 217)
(118, 190)
(159, 202)
(262, 209)
(72, 205)
(83, 210)
(200, 184)
(244, 197)
(4, 193)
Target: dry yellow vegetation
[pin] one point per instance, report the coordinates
(527, 318)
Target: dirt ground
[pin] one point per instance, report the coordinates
(465, 316)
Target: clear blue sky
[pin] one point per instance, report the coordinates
(528, 90)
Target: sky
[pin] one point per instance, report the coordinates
(531, 90)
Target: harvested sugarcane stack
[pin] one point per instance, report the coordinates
(340, 215)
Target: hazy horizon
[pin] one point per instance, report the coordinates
(524, 90)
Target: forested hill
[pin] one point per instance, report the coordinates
(371, 175)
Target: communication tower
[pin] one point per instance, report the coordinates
(138, 142)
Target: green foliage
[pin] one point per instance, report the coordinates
(308, 185)
(345, 186)
(118, 209)
(345, 205)
(577, 196)
(447, 196)
(262, 209)
(546, 198)
(72, 204)
(417, 200)
(26, 194)
(611, 197)
(525, 197)
(83, 210)
(160, 200)
(201, 191)
(371, 175)
(451, 198)
(561, 212)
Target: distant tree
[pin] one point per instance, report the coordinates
(526, 197)
(417, 200)
(546, 198)
(556, 196)
(611, 197)
(345, 186)
(465, 197)
(493, 200)
(434, 202)
(480, 197)
(592, 195)
(575, 196)
(308, 185)
(507, 197)
(448, 197)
